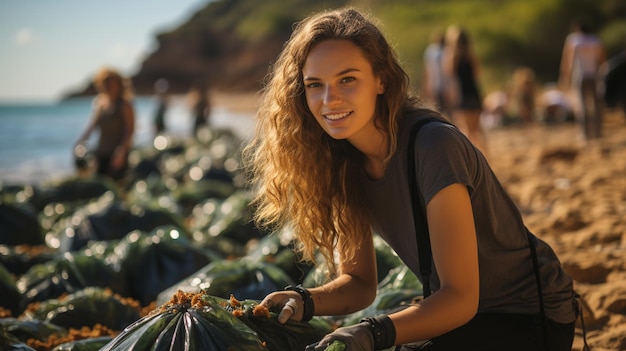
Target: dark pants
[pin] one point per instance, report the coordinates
(591, 114)
(104, 168)
(497, 332)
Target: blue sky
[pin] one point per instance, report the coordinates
(54, 46)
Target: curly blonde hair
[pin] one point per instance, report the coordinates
(303, 178)
(106, 74)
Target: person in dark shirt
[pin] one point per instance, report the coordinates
(328, 161)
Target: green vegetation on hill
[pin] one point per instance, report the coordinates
(231, 43)
(507, 34)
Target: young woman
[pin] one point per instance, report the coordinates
(113, 115)
(329, 160)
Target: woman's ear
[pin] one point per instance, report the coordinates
(381, 87)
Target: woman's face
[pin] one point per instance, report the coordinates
(112, 87)
(341, 90)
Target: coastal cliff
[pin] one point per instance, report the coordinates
(227, 44)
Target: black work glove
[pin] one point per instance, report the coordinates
(357, 337)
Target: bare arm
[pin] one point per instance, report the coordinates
(119, 157)
(455, 253)
(353, 290)
(566, 64)
(91, 125)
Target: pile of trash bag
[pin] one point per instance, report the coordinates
(84, 262)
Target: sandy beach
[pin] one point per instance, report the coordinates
(572, 194)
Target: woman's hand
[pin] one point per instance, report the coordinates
(288, 304)
(118, 161)
(357, 337)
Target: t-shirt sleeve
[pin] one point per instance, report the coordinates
(444, 157)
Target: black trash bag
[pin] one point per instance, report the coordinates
(106, 219)
(400, 278)
(10, 342)
(54, 212)
(145, 161)
(148, 263)
(278, 249)
(386, 258)
(73, 189)
(152, 192)
(293, 335)
(23, 330)
(191, 193)
(19, 225)
(93, 344)
(68, 273)
(16, 193)
(242, 277)
(19, 259)
(227, 218)
(10, 297)
(188, 322)
(86, 307)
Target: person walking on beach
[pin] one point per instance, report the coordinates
(328, 159)
(583, 54)
(160, 87)
(200, 107)
(113, 115)
(461, 65)
(434, 80)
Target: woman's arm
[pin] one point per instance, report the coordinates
(93, 119)
(353, 290)
(566, 63)
(455, 254)
(119, 157)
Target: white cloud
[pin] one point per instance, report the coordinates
(25, 36)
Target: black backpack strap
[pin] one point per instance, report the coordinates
(423, 237)
(532, 244)
(419, 211)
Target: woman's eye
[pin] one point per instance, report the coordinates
(313, 85)
(347, 79)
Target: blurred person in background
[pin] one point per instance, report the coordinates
(161, 87)
(523, 95)
(583, 53)
(200, 106)
(461, 65)
(113, 115)
(434, 82)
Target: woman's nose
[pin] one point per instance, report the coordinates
(331, 94)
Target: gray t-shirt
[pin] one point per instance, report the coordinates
(444, 156)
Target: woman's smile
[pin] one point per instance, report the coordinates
(337, 116)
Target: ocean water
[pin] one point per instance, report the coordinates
(36, 140)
